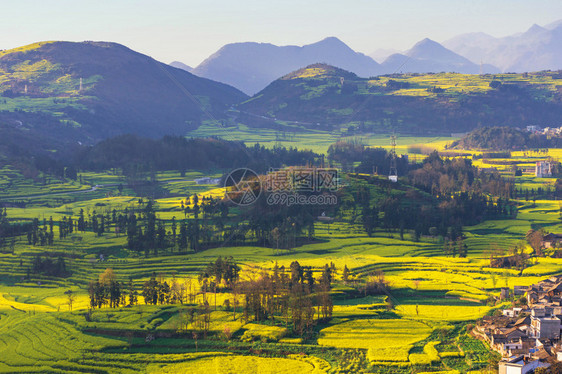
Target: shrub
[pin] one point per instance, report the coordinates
(429, 356)
(291, 340)
(430, 350)
(263, 332)
(227, 333)
(451, 354)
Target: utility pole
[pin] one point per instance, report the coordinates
(393, 173)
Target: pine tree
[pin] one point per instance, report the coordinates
(132, 293)
(345, 275)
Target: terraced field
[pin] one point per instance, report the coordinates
(227, 364)
(419, 324)
(386, 339)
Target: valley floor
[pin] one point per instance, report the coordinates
(418, 324)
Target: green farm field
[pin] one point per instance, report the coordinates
(317, 141)
(417, 324)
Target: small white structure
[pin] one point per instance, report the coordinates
(514, 312)
(207, 180)
(543, 169)
(519, 365)
(533, 128)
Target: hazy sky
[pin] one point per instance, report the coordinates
(191, 30)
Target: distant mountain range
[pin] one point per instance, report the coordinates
(55, 94)
(250, 67)
(181, 65)
(60, 93)
(539, 48)
(429, 56)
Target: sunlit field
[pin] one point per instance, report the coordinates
(420, 323)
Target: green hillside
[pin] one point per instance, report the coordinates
(122, 92)
(326, 98)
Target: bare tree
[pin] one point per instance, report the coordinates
(70, 297)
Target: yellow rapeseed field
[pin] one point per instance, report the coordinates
(239, 365)
(386, 339)
(442, 312)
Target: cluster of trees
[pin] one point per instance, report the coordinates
(134, 154)
(427, 217)
(465, 195)
(453, 244)
(515, 258)
(107, 290)
(547, 193)
(445, 177)
(221, 270)
(293, 294)
(506, 138)
(371, 160)
(276, 226)
(146, 233)
(280, 227)
(444, 195)
(45, 234)
(41, 235)
(150, 237)
(9, 231)
(535, 239)
(422, 217)
(66, 226)
(298, 296)
(158, 291)
(397, 85)
(457, 194)
(46, 266)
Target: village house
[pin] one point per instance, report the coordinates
(532, 297)
(519, 365)
(514, 312)
(545, 327)
(504, 293)
(519, 290)
(551, 241)
(543, 169)
(526, 336)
